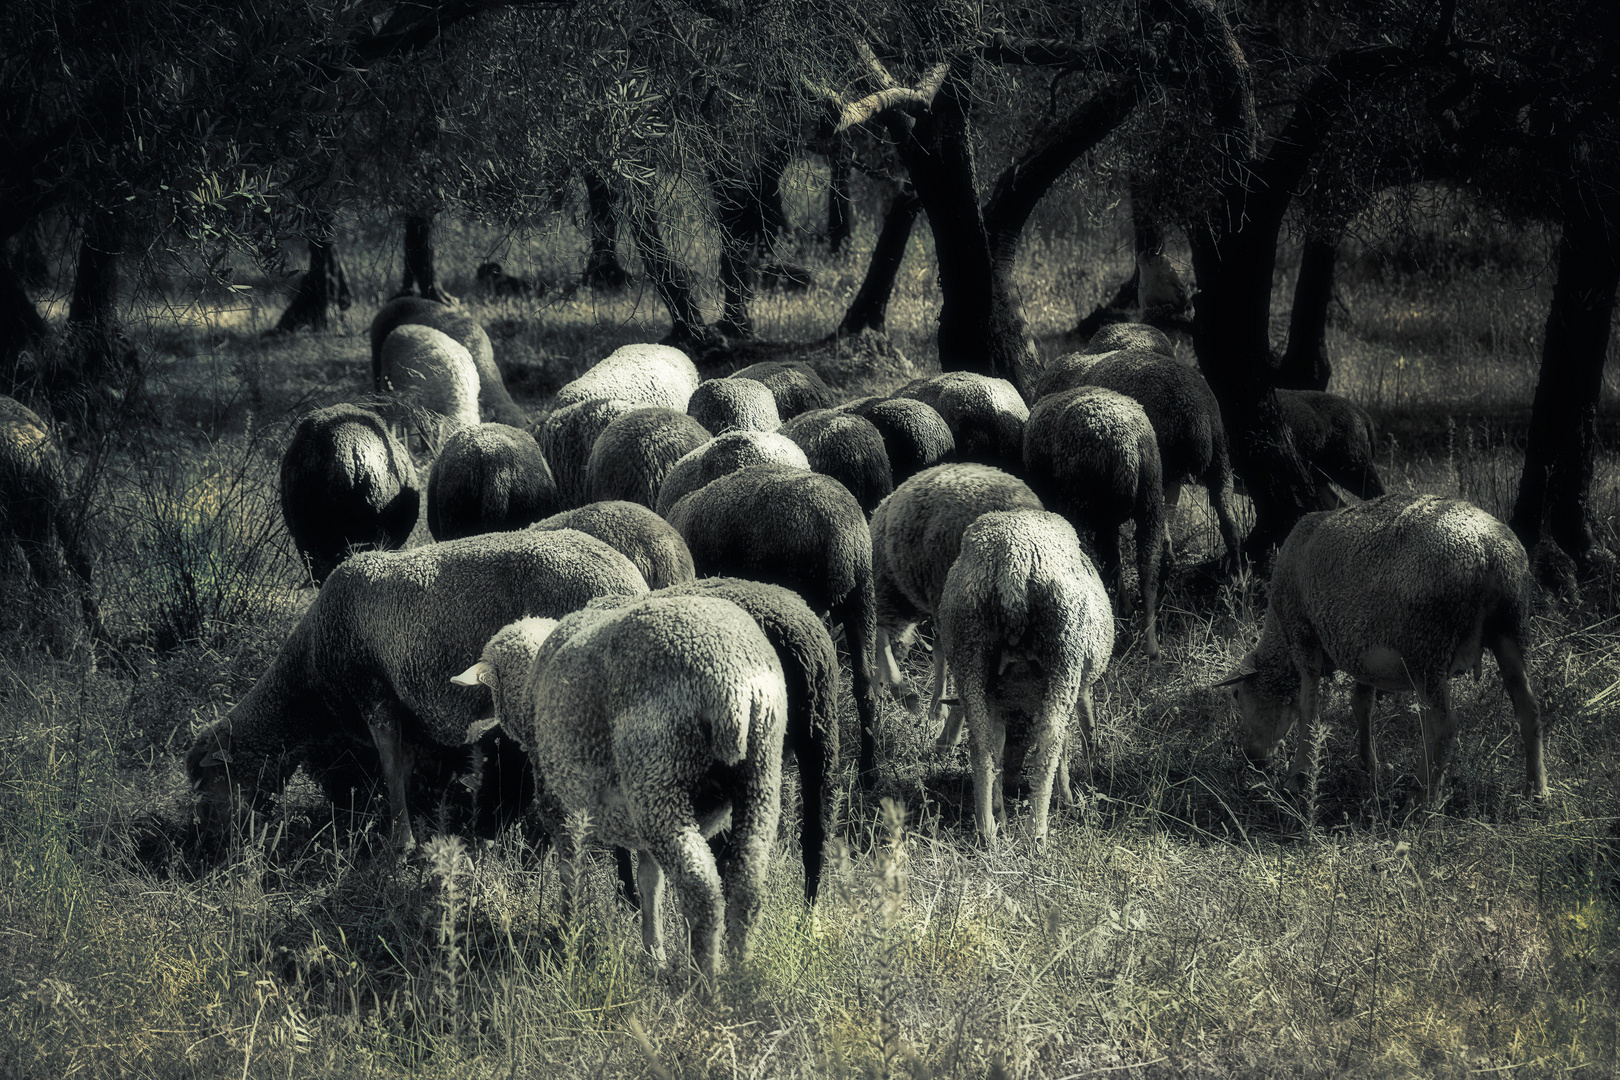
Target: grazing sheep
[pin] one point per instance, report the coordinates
(371, 661)
(1025, 626)
(847, 448)
(643, 374)
(916, 534)
(429, 371)
(1185, 416)
(723, 405)
(1117, 336)
(801, 530)
(1450, 580)
(1091, 454)
(986, 416)
(661, 719)
(488, 478)
(495, 281)
(1335, 437)
(641, 535)
(493, 397)
(794, 383)
(567, 438)
(726, 454)
(33, 507)
(346, 484)
(914, 434)
(634, 452)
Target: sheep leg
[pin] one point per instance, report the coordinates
(813, 826)
(1088, 742)
(1048, 756)
(1510, 659)
(856, 613)
(1113, 567)
(1439, 734)
(888, 671)
(396, 758)
(650, 884)
(756, 811)
(1309, 683)
(686, 859)
(1149, 558)
(1362, 700)
(952, 730)
(984, 752)
(1220, 498)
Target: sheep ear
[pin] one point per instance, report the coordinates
(1233, 680)
(480, 672)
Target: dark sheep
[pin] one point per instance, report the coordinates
(634, 452)
(803, 531)
(1335, 437)
(794, 383)
(567, 438)
(488, 478)
(641, 535)
(726, 454)
(847, 448)
(497, 282)
(493, 398)
(346, 484)
(1117, 336)
(914, 434)
(986, 416)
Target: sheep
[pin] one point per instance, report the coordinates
(723, 405)
(726, 454)
(488, 478)
(916, 535)
(794, 383)
(1185, 416)
(566, 439)
(1450, 581)
(495, 281)
(801, 530)
(634, 452)
(1335, 437)
(847, 448)
(1092, 455)
(643, 374)
(371, 660)
(34, 506)
(914, 434)
(493, 397)
(429, 371)
(345, 484)
(810, 664)
(641, 535)
(660, 719)
(1025, 625)
(1117, 336)
(986, 416)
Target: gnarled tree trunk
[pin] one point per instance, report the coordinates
(420, 275)
(1304, 365)
(323, 284)
(869, 309)
(840, 206)
(603, 270)
(100, 362)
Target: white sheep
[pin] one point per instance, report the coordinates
(430, 375)
(642, 374)
(456, 321)
(662, 720)
(725, 454)
(1400, 593)
(723, 405)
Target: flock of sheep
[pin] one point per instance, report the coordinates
(641, 595)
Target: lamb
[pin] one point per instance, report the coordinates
(1335, 437)
(914, 434)
(634, 452)
(726, 454)
(660, 719)
(986, 416)
(794, 383)
(846, 448)
(346, 484)
(493, 397)
(1091, 453)
(641, 535)
(642, 374)
(430, 372)
(1186, 420)
(1025, 625)
(723, 405)
(488, 478)
(1451, 581)
(371, 661)
(566, 439)
(801, 530)
(34, 506)
(916, 535)
(1116, 336)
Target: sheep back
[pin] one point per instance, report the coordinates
(722, 405)
(641, 535)
(986, 416)
(488, 478)
(634, 452)
(1117, 336)
(914, 434)
(1335, 436)
(567, 438)
(847, 448)
(345, 483)
(493, 397)
(643, 374)
(726, 454)
(794, 383)
(431, 370)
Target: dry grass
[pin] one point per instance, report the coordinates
(1186, 919)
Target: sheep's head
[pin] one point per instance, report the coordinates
(1264, 716)
(505, 668)
(219, 788)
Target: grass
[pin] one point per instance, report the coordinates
(1187, 919)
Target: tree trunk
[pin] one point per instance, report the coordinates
(840, 207)
(101, 363)
(21, 327)
(741, 217)
(322, 285)
(1555, 488)
(419, 271)
(669, 279)
(869, 309)
(602, 268)
(1305, 366)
